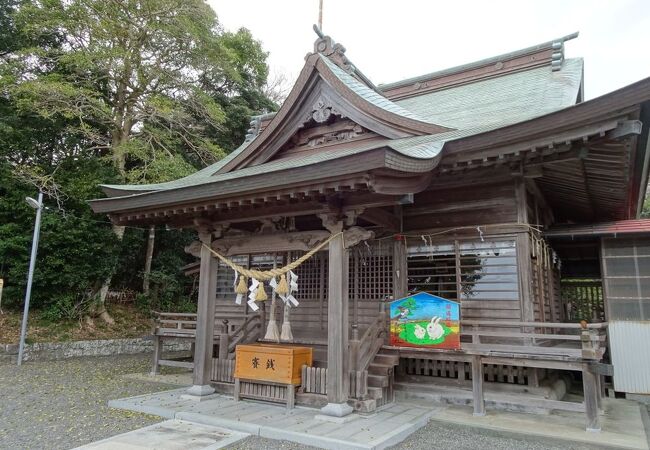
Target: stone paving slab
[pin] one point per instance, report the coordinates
(621, 423)
(387, 427)
(170, 435)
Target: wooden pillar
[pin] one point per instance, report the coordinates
(525, 270)
(204, 320)
(337, 327)
(224, 341)
(477, 386)
(400, 269)
(157, 354)
(590, 387)
(524, 264)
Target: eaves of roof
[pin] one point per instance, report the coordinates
(621, 227)
(308, 169)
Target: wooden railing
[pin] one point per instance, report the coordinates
(174, 324)
(314, 381)
(249, 331)
(184, 324)
(223, 370)
(362, 351)
(561, 340)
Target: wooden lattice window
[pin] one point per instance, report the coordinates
(370, 279)
(465, 270)
(226, 276)
(312, 292)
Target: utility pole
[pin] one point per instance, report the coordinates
(38, 206)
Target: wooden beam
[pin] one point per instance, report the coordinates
(383, 218)
(269, 243)
(626, 128)
(558, 157)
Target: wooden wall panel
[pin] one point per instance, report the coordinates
(488, 203)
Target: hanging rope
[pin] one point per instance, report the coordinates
(264, 275)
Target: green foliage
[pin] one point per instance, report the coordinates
(154, 84)
(646, 205)
(74, 252)
(95, 92)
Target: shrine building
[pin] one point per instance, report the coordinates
(459, 231)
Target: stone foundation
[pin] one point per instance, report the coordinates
(44, 351)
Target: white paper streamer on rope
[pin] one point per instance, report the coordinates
(239, 297)
(293, 287)
(255, 285)
(293, 281)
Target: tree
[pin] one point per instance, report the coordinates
(140, 90)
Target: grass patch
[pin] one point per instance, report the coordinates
(129, 322)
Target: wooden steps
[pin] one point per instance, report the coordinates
(381, 377)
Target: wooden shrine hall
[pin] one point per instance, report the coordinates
(474, 184)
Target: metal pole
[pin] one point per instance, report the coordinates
(320, 14)
(30, 277)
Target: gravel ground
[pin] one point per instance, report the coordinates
(63, 404)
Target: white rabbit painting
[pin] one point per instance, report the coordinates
(419, 331)
(434, 329)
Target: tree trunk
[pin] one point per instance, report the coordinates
(148, 258)
(103, 314)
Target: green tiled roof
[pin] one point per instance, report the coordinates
(471, 109)
(368, 94)
(504, 100)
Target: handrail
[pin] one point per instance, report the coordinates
(363, 350)
(244, 324)
(240, 334)
(591, 338)
(506, 323)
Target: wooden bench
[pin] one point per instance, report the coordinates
(169, 326)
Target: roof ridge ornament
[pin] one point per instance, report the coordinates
(557, 57)
(335, 52)
(326, 46)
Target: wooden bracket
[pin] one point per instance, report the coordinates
(383, 218)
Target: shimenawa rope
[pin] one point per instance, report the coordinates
(266, 275)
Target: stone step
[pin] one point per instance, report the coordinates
(375, 392)
(379, 369)
(377, 380)
(382, 358)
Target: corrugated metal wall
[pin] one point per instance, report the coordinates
(626, 282)
(630, 346)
